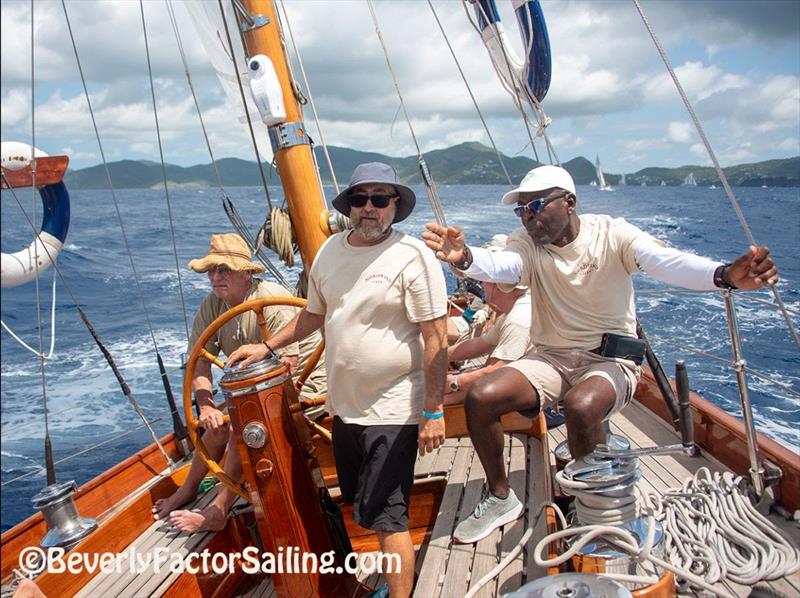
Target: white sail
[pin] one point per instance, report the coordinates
(601, 180)
(622, 182)
(210, 30)
(689, 180)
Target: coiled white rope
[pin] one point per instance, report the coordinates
(711, 526)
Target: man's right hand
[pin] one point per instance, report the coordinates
(247, 354)
(447, 242)
(211, 418)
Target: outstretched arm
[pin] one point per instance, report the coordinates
(303, 324)
(752, 270)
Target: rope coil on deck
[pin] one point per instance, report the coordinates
(711, 527)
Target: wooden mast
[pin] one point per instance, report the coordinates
(296, 167)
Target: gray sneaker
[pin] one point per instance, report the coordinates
(490, 513)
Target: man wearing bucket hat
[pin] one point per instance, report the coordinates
(231, 273)
(585, 353)
(381, 297)
(506, 341)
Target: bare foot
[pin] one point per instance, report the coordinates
(164, 506)
(210, 519)
(28, 589)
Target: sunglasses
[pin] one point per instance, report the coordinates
(360, 200)
(537, 206)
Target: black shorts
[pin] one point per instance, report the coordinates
(375, 465)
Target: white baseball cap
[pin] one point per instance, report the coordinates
(540, 179)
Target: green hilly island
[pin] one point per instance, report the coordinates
(468, 163)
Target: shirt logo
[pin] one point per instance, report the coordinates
(378, 279)
(585, 269)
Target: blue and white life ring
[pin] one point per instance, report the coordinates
(532, 76)
(20, 267)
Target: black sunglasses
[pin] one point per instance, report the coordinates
(537, 206)
(360, 200)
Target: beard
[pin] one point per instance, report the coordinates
(371, 230)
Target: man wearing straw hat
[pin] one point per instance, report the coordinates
(381, 297)
(231, 273)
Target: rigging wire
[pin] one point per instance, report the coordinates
(227, 204)
(179, 428)
(722, 177)
(48, 446)
(125, 388)
(164, 172)
(310, 96)
(427, 178)
(471, 95)
(116, 436)
(244, 102)
(707, 355)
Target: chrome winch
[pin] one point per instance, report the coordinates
(571, 585)
(65, 527)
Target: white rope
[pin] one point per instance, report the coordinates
(511, 87)
(52, 330)
(711, 525)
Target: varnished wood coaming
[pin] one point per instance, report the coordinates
(724, 437)
(98, 497)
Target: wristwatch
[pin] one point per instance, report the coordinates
(454, 384)
(719, 278)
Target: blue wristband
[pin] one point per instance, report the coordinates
(429, 415)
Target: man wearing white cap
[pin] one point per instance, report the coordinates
(585, 353)
(382, 300)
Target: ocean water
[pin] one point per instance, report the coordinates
(87, 407)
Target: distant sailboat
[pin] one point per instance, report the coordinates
(689, 181)
(622, 182)
(601, 180)
(713, 187)
(663, 184)
(643, 184)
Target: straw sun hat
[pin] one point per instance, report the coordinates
(230, 250)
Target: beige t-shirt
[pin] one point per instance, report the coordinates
(511, 334)
(244, 329)
(373, 299)
(584, 289)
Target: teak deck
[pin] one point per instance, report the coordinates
(445, 569)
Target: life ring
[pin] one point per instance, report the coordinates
(535, 79)
(20, 267)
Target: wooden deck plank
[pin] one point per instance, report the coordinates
(510, 578)
(460, 561)
(434, 561)
(537, 494)
(108, 584)
(486, 550)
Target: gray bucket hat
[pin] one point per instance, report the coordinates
(378, 172)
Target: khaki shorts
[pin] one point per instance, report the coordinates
(552, 373)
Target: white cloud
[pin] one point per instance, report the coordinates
(679, 132)
(604, 68)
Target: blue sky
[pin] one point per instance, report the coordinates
(610, 95)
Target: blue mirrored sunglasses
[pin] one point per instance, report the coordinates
(537, 206)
